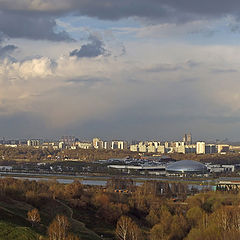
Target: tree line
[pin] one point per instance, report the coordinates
(42, 154)
(145, 212)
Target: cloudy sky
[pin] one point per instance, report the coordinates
(133, 69)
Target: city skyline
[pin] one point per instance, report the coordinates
(186, 138)
(186, 146)
(129, 69)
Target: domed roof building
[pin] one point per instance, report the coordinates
(186, 167)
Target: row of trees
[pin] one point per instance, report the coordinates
(39, 154)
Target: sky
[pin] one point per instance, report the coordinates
(129, 69)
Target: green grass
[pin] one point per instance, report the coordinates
(10, 231)
(9, 216)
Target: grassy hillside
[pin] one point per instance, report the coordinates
(10, 231)
(14, 225)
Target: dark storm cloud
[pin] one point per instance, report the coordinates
(7, 50)
(184, 9)
(93, 49)
(22, 124)
(17, 25)
(36, 20)
(2, 37)
(112, 9)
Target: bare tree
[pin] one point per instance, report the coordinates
(127, 229)
(34, 216)
(135, 232)
(58, 229)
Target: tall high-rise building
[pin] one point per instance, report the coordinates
(201, 148)
(187, 138)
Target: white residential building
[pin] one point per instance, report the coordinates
(119, 145)
(200, 148)
(142, 147)
(97, 143)
(33, 143)
(180, 149)
(134, 148)
(84, 145)
(161, 149)
(223, 148)
(61, 145)
(151, 148)
(107, 145)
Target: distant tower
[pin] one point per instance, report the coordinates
(187, 138)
